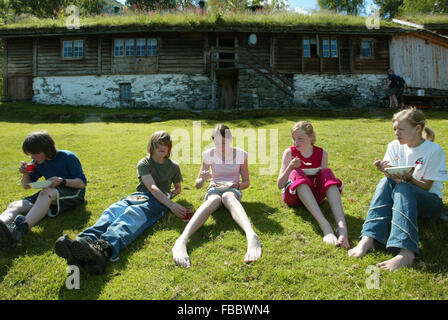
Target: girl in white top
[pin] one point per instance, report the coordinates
(227, 164)
(400, 199)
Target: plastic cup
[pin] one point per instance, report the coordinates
(30, 166)
(190, 212)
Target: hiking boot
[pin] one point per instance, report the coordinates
(93, 253)
(11, 234)
(62, 247)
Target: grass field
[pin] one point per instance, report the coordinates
(295, 263)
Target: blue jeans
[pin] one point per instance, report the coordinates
(392, 216)
(125, 220)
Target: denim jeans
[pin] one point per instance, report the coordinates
(124, 221)
(392, 216)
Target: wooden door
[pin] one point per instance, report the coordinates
(20, 87)
(227, 88)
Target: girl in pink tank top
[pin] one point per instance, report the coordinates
(305, 180)
(227, 165)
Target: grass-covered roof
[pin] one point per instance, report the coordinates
(192, 21)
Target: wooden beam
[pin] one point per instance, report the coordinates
(35, 50)
(5, 67)
(352, 54)
(99, 66)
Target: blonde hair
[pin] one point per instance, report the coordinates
(306, 127)
(416, 118)
(159, 137)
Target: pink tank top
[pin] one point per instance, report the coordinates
(315, 159)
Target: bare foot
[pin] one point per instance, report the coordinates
(365, 245)
(330, 238)
(404, 258)
(180, 254)
(253, 249)
(342, 237)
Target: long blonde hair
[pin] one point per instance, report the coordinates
(416, 118)
(306, 127)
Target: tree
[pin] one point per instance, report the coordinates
(158, 4)
(5, 10)
(50, 8)
(347, 6)
(389, 8)
(424, 6)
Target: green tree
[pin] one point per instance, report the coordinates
(158, 4)
(347, 6)
(5, 10)
(424, 6)
(49, 8)
(389, 8)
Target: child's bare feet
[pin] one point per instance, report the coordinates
(342, 237)
(253, 249)
(365, 245)
(404, 258)
(330, 238)
(180, 254)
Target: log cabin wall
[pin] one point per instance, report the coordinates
(378, 63)
(51, 63)
(18, 68)
(287, 53)
(181, 53)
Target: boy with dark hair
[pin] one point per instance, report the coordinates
(67, 188)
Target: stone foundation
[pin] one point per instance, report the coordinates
(333, 91)
(193, 92)
(148, 91)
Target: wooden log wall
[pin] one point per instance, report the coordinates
(20, 57)
(181, 53)
(50, 62)
(186, 53)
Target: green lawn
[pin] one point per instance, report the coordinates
(295, 263)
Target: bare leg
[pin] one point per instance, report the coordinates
(179, 250)
(15, 208)
(334, 199)
(365, 245)
(306, 196)
(395, 101)
(40, 208)
(238, 213)
(403, 259)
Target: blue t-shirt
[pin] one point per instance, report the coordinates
(65, 165)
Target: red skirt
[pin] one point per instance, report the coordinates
(318, 184)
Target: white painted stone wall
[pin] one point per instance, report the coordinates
(157, 91)
(326, 91)
(194, 91)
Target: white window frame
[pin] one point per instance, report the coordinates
(74, 45)
(330, 48)
(134, 47)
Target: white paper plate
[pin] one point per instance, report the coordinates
(311, 172)
(398, 170)
(40, 184)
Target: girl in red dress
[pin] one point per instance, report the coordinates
(299, 186)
